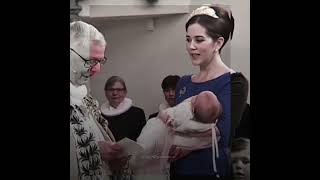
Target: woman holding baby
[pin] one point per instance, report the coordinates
(207, 31)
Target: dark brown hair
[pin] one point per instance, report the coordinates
(170, 82)
(215, 27)
(240, 144)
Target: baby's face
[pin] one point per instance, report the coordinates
(205, 100)
(198, 100)
(193, 102)
(206, 107)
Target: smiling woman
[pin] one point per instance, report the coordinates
(208, 29)
(124, 119)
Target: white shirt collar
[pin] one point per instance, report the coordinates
(77, 93)
(108, 110)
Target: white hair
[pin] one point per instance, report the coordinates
(82, 34)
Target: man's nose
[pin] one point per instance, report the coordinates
(96, 68)
(172, 92)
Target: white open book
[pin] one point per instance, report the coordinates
(129, 147)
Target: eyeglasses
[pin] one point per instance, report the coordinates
(90, 62)
(115, 89)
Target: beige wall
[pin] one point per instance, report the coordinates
(143, 58)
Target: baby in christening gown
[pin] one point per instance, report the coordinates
(189, 125)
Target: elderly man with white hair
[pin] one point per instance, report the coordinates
(92, 147)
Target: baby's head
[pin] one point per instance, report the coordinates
(206, 107)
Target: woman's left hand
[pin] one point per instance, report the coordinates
(177, 152)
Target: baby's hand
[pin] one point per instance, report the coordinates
(163, 116)
(169, 122)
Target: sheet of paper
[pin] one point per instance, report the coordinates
(129, 147)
